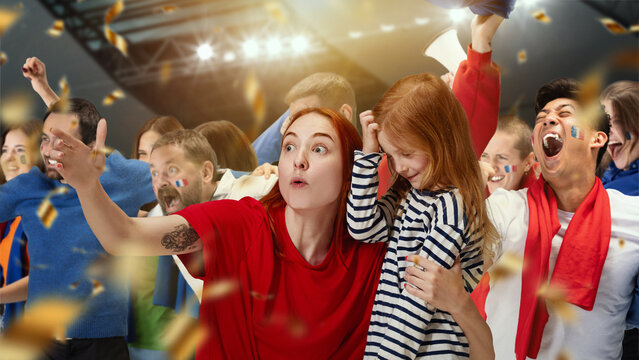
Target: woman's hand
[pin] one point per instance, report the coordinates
(265, 170)
(79, 164)
(369, 132)
(483, 28)
(442, 288)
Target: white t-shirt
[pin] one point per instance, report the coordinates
(595, 334)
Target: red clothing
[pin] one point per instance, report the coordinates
(284, 307)
(477, 87)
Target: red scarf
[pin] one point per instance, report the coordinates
(579, 262)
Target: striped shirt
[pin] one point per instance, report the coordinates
(431, 224)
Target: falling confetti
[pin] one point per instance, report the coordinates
(634, 28)
(60, 190)
(564, 355)
(62, 105)
(114, 39)
(622, 243)
(43, 321)
(47, 213)
(74, 285)
(509, 264)
(556, 300)
(167, 9)
(182, 336)
(114, 95)
(613, 26)
(220, 289)
(296, 327)
(255, 97)
(165, 72)
(56, 29)
(260, 296)
(15, 109)
(274, 9)
(540, 15)
(521, 57)
(3, 58)
(7, 19)
(97, 288)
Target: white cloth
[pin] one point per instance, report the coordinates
(595, 334)
(227, 188)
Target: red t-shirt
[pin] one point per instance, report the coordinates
(284, 307)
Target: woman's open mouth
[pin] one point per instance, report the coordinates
(614, 148)
(552, 144)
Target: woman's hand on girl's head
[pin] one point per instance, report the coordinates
(440, 287)
(369, 132)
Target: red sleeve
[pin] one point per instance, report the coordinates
(477, 86)
(227, 229)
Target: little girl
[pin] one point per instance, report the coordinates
(435, 208)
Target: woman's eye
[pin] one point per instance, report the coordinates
(319, 149)
(289, 147)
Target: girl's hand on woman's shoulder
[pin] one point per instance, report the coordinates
(369, 132)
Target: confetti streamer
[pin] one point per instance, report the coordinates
(113, 38)
(3, 58)
(220, 289)
(167, 9)
(114, 95)
(521, 57)
(255, 97)
(276, 12)
(576, 132)
(7, 19)
(47, 213)
(181, 182)
(541, 16)
(613, 26)
(509, 264)
(182, 336)
(510, 168)
(56, 29)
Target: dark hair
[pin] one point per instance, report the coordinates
(232, 148)
(159, 124)
(570, 89)
(86, 113)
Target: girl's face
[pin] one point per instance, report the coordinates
(310, 166)
(411, 165)
(146, 144)
(622, 146)
(506, 161)
(16, 155)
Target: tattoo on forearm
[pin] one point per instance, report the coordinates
(180, 239)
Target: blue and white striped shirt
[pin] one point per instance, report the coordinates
(431, 224)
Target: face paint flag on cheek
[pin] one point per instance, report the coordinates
(23, 159)
(510, 168)
(181, 183)
(576, 132)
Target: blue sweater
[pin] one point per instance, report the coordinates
(267, 145)
(627, 182)
(61, 254)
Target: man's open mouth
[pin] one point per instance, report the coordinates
(552, 144)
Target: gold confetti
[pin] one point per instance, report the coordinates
(556, 300)
(97, 288)
(219, 289)
(521, 56)
(114, 95)
(43, 321)
(260, 296)
(74, 285)
(167, 9)
(274, 9)
(622, 243)
(79, 250)
(7, 19)
(15, 109)
(296, 327)
(613, 26)
(62, 105)
(634, 28)
(182, 336)
(165, 72)
(47, 213)
(113, 38)
(564, 355)
(591, 86)
(509, 264)
(57, 29)
(3, 58)
(60, 190)
(255, 97)
(18, 6)
(540, 15)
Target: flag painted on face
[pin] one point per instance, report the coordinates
(576, 132)
(181, 182)
(510, 168)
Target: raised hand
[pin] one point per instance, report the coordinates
(34, 70)
(265, 170)
(79, 164)
(483, 28)
(487, 171)
(369, 132)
